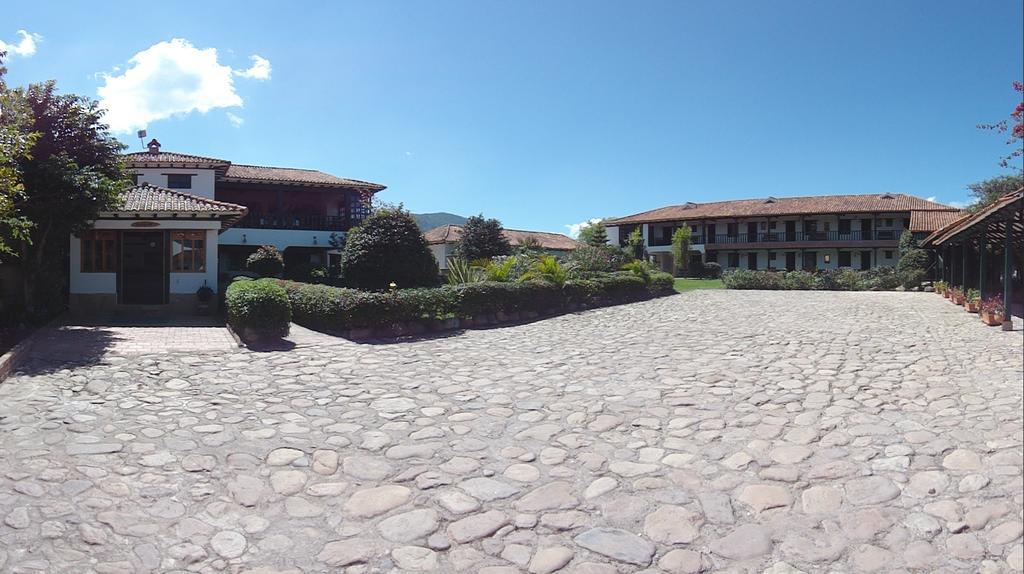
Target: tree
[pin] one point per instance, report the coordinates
(635, 242)
(266, 261)
(72, 172)
(482, 239)
(681, 248)
(988, 191)
(912, 267)
(1015, 126)
(388, 247)
(15, 142)
(594, 234)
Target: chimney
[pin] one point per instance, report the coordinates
(154, 146)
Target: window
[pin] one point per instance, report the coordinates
(99, 252)
(888, 254)
(888, 223)
(844, 226)
(179, 180)
(734, 260)
(188, 251)
(845, 259)
(731, 229)
(711, 257)
(752, 261)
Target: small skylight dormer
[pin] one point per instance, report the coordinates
(887, 195)
(770, 199)
(689, 205)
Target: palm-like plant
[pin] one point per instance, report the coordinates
(501, 270)
(546, 268)
(461, 271)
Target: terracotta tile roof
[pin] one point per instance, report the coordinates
(770, 206)
(147, 198)
(547, 240)
(259, 174)
(169, 158)
(921, 221)
(1008, 202)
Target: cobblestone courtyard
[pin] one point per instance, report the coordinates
(710, 431)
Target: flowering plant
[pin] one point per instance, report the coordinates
(993, 305)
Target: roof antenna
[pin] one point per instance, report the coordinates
(142, 137)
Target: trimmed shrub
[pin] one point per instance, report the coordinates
(747, 279)
(482, 239)
(712, 270)
(622, 286)
(880, 279)
(266, 262)
(912, 268)
(258, 309)
(388, 247)
(326, 308)
(842, 279)
(581, 291)
(661, 282)
(798, 281)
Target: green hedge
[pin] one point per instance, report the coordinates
(337, 309)
(842, 279)
(258, 309)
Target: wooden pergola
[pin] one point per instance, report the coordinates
(983, 246)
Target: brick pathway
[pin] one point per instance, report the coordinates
(87, 343)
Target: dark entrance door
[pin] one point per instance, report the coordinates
(865, 229)
(711, 232)
(810, 260)
(143, 280)
(790, 231)
(865, 260)
(751, 232)
(790, 260)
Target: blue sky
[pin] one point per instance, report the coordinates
(547, 113)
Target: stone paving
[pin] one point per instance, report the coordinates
(709, 431)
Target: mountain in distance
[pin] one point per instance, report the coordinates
(428, 221)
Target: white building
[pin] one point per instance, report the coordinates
(816, 232)
(191, 221)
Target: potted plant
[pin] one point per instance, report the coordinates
(972, 301)
(992, 311)
(956, 296)
(204, 296)
(940, 287)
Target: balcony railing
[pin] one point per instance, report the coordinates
(788, 237)
(290, 221)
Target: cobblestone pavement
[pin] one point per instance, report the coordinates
(709, 431)
(86, 343)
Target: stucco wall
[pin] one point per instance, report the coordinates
(202, 180)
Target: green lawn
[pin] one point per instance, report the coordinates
(682, 284)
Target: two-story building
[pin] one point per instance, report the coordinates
(190, 221)
(787, 233)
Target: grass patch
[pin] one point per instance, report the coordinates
(682, 284)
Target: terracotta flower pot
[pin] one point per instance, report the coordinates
(991, 319)
(972, 306)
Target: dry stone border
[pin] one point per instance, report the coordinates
(765, 432)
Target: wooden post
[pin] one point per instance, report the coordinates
(981, 261)
(963, 264)
(1007, 268)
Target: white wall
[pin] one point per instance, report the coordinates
(202, 180)
(279, 238)
(93, 283)
(613, 235)
(88, 283)
(442, 251)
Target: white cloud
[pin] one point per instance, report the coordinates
(575, 228)
(169, 79)
(957, 204)
(235, 120)
(25, 47)
(259, 70)
(930, 198)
